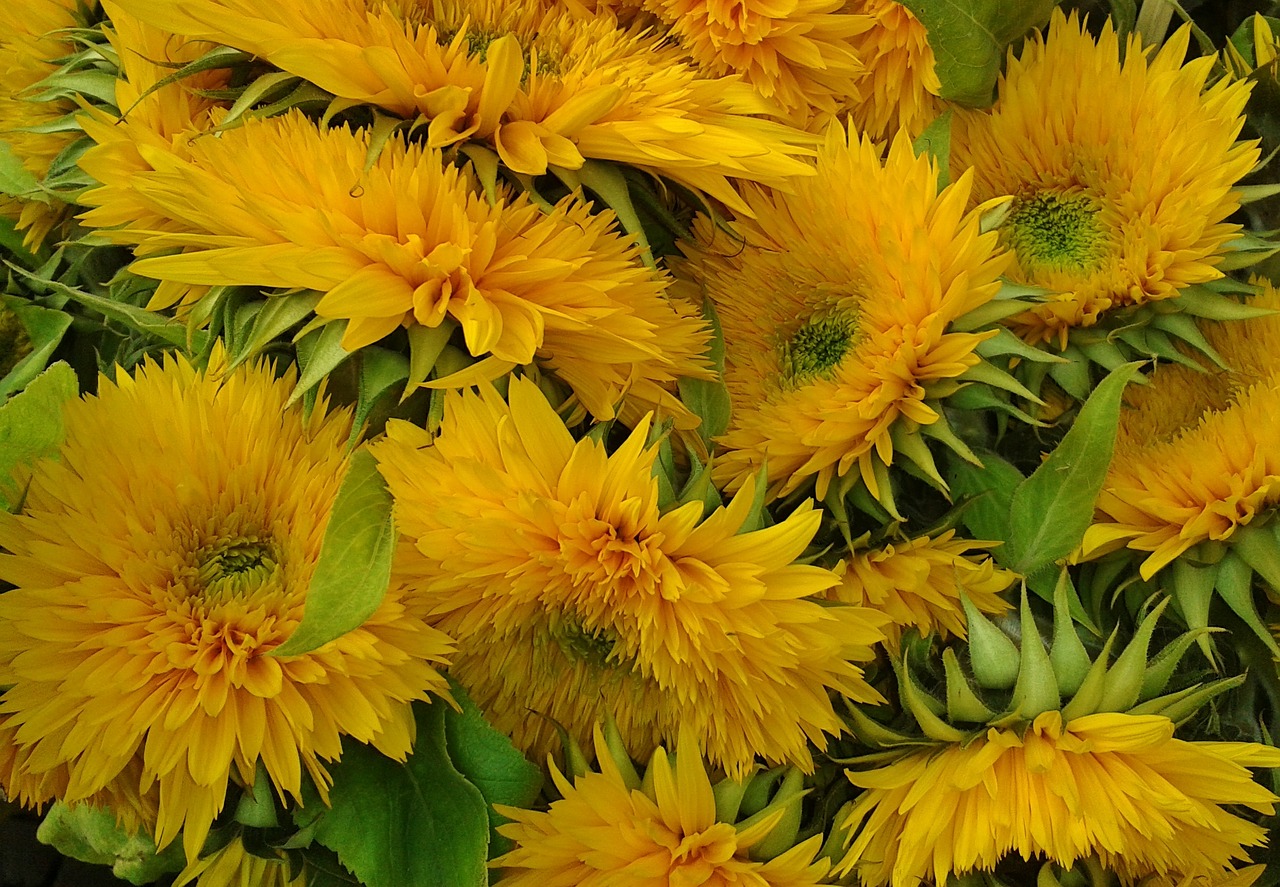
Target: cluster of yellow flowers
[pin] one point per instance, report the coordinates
(696, 321)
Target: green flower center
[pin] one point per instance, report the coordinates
(1055, 232)
(817, 347)
(236, 567)
(593, 647)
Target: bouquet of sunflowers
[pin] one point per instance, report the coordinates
(595, 443)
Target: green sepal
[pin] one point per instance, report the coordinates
(994, 658)
(924, 708)
(1068, 656)
(1253, 549)
(1182, 705)
(728, 794)
(963, 703)
(874, 734)
(426, 344)
(1191, 587)
(618, 752)
(1203, 301)
(759, 790)
(1161, 667)
(1036, 690)
(987, 374)
(782, 837)
(1089, 695)
(908, 443)
(1125, 678)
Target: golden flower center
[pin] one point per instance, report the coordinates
(696, 857)
(594, 647)
(1055, 232)
(818, 346)
(613, 559)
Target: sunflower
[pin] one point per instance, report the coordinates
(1122, 173)
(154, 117)
(570, 592)
(157, 564)
(1197, 454)
(413, 241)
(542, 85)
(1116, 786)
(900, 87)
(609, 828)
(837, 306)
(233, 866)
(798, 53)
(918, 584)
(29, 41)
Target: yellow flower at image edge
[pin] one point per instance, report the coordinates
(1122, 172)
(1117, 786)
(607, 832)
(157, 564)
(570, 593)
(233, 866)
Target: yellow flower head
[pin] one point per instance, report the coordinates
(542, 86)
(1122, 172)
(900, 87)
(157, 564)
(1115, 786)
(608, 829)
(413, 241)
(570, 592)
(836, 308)
(152, 121)
(918, 583)
(1197, 453)
(796, 52)
(28, 45)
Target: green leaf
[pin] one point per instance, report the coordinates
(381, 372)
(270, 318)
(416, 824)
(354, 569)
(1052, 508)
(990, 487)
(91, 834)
(936, 141)
(490, 762)
(709, 398)
(15, 179)
(31, 426)
(320, 352)
(45, 329)
(968, 38)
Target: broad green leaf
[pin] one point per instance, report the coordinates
(91, 834)
(381, 371)
(490, 762)
(413, 824)
(1052, 508)
(969, 37)
(45, 329)
(354, 569)
(31, 426)
(990, 488)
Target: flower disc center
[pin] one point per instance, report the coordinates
(1055, 232)
(241, 563)
(817, 347)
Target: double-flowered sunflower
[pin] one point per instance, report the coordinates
(842, 307)
(571, 592)
(1122, 166)
(410, 240)
(542, 84)
(670, 827)
(1197, 456)
(157, 564)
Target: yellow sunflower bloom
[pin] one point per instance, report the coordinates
(28, 44)
(233, 866)
(917, 583)
(836, 308)
(152, 121)
(900, 87)
(608, 830)
(1197, 453)
(1122, 172)
(412, 240)
(1115, 786)
(157, 564)
(543, 86)
(796, 52)
(571, 593)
